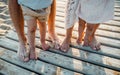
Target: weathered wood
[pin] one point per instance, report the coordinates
(39, 67)
(9, 69)
(63, 61)
(94, 55)
(55, 59)
(78, 59)
(107, 50)
(104, 50)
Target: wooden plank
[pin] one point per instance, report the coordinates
(117, 14)
(114, 23)
(117, 3)
(39, 67)
(10, 69)
(109, 28)
(59, 59)
(63, 61)
(78, 50)
(104, 51)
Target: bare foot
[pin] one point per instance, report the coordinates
(86, 40)
(55, 41)
(33, 55)
(45, 46)
(23, 53)
(90, 39)
(65, 46)
(79, 40)
(94, 44)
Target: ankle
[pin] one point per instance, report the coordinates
(68, 40)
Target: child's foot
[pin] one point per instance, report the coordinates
(65, 46)
(33, 55)
(55, 41)
(23, 53)
(45, 46)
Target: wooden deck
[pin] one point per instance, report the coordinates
(78, 61)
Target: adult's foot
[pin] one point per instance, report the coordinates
(33, 55)
(23, 53)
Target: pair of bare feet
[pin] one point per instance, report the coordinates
(55, 42)
(93, 43)
(26, 53)
(89, 39)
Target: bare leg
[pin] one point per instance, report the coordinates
(32, 24)
(42, 27)
(18, 22)
(51, 26)
(65, 45)
(90, 39)
(81, 31)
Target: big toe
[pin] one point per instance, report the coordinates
(45, 47)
